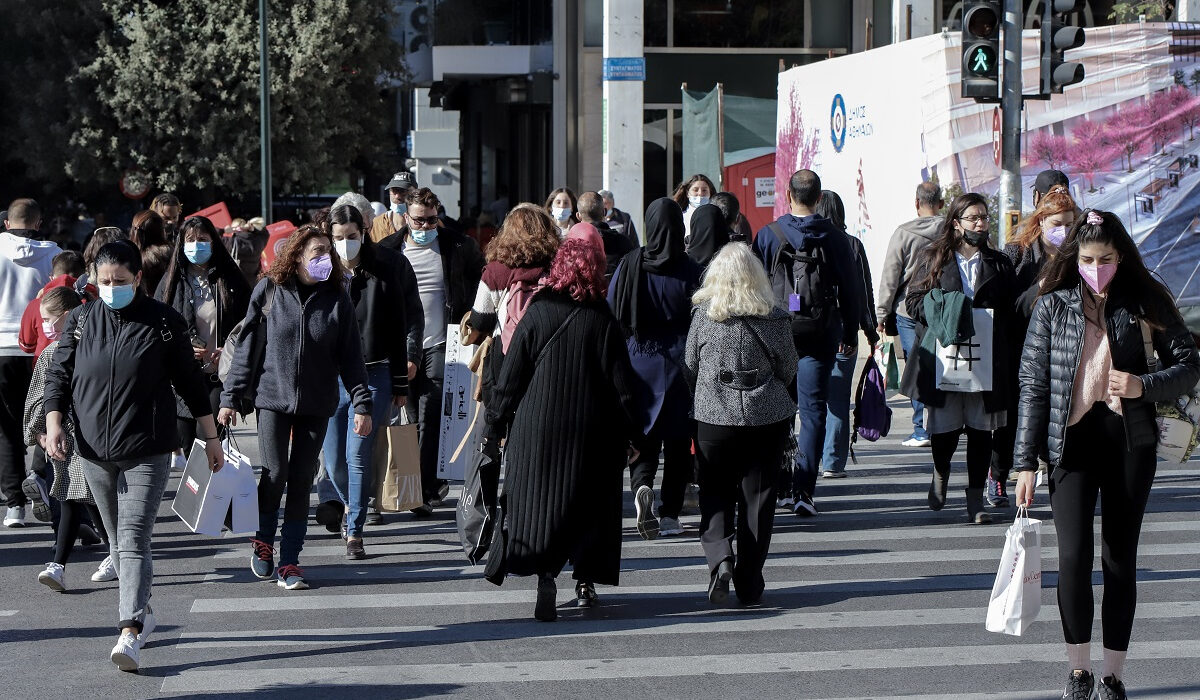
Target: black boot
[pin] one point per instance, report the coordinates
(975, 512)
(546, 609)
(938, 487)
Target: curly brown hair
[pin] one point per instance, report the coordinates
(527, 238)
(288, 262)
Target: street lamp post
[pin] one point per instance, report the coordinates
(264, 111)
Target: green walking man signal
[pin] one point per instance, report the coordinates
(981, 49)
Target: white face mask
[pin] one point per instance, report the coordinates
(560, 214)
(697, 201)
(348, 248)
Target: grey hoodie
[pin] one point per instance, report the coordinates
(900, 263)
(25, 265)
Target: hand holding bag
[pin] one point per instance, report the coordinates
(1017, 593)
(885, 357)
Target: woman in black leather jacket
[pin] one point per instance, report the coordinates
(1087, 399)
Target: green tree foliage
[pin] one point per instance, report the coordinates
(1131, 10)
(175, 89)
(43, 43)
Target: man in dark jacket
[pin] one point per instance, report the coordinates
(802, 233)
(899, 268)
(619, 221)
(591, 211)
(447, 266)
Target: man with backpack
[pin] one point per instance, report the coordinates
(812, 270)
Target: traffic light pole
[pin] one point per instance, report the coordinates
(1011, 102)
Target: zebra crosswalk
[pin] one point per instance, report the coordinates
(875, 597)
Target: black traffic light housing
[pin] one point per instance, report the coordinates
(1059, 35)
(981, 50)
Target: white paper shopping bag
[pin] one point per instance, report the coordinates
(967, 367)
(1017, 594)
(203, 496)
(244, 498)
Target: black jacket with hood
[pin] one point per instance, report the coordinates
(116, 379)
(462, 265)
(377, 290)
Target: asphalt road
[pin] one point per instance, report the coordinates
(876, 597)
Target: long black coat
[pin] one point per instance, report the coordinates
(993, 290)
(570, 410)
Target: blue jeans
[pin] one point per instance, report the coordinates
(812, 389)
(348, 456)
(128, 494)
(907, 328)
(837, 412)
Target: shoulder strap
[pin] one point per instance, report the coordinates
(779, 234)
(1148, 344)
(761, 343)
(82, 319)
(270, 297)
(557, 333)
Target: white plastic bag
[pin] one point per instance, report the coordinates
(1017, 593)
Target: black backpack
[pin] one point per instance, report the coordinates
(804, 284)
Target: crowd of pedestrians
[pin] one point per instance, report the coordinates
(692, 345)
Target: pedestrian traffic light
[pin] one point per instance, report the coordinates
(981, 50)
(1059, 35)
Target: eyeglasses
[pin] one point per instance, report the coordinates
(973, 219)
(423, 221)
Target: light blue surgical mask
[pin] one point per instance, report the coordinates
(197, 253)
(423, 237)
(697, 201)
(560, 214)
(117, 296)
(399, 208)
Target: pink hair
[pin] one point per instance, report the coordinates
(578, 269)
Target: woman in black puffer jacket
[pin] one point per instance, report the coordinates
(1087, 399)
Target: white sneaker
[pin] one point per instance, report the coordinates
(786, 502)
(15, 517)
(148, 625)
(916, 442)
(643, 502)
(669, 526)
(180, 461)
(54, 577)
(125, 653)
(107, 571)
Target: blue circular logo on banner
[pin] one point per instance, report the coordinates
(837, 123)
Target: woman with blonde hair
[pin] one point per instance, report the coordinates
(741, 364)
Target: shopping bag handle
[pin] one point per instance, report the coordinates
(1022, 513)
(398, 416)
(231, 442)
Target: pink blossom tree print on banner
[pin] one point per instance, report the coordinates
(1092, 152)
(1049, 148)
(1128, 128)
(797, 149)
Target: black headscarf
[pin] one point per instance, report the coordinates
(662, 254)
(709, 234)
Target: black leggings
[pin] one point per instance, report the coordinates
(1095, 462)
(73, 514)
(979, 454)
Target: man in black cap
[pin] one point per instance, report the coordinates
(1045, 180)
(392, 220)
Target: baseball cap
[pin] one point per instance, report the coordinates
(402, 180)
(1049, 178)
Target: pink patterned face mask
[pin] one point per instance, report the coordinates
(1098, 276)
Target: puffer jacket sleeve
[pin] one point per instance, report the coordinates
(1177, 349)
(1033, 406)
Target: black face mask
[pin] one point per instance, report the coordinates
(975, 238)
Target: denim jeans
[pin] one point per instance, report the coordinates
(128, 494)
(348, 456)
(291, 469)
(907, 328)
(837, 413)
(812, 390)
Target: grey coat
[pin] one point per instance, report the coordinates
(742, 370)
(900, 264)
(308, 346)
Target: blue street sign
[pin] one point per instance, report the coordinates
(625, 69)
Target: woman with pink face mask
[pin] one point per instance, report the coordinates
(1087, 407)
(1036, 245)
(69, 487)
